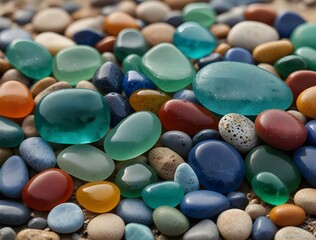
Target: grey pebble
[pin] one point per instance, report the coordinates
(203, 230)
(7, 233)
(37, 223)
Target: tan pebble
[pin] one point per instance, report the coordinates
(94, 23)
(152, 11)
(287, 215)
(34, 234)
(156, 33)
(299, 116)
(293, 233)
(127, 6)
(254, 201)
(14, 74)
(87, 85)
(220, 30)
(28, 127)
(85, 13)
(268, 67)
(178, 4)
(107, 226)
(52, 88)
(4, 66)
(269, 52)
(5, 153)
(54, 42)
(165, 161)
(306, 199)
(222, 48)
(255, 211)
(109, 57)
(41, 85)
(51, 19)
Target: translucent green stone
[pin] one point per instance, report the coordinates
(31, 58)
(270, 188)
(76, 63)
(72, 116)
(133, 136)
(167, 67)
(132, 62)
(288, 64)
(304, 36)
(199, 12)
(132, 178)
(309, 56)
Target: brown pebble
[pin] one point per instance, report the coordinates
(28, 127)
(5, 153)
(222, 48)
(178, 4)
(34, 234)
(85, 13)
(268, 67)
(41, 85)
(220, 30)
(106, 44)
(260, 13)
(87, 85)
(52, 88)
(156, 33)
(287, 215)
(14, 74)
(4, 66)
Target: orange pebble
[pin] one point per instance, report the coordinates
(222, 48)
(117, 21)
(287, 215)
(16, 100)
(306, 102)
(106, 44)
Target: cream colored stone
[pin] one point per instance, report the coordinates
(255, 211)
(152, 11)
(306, 199)
(293, 233)
(34, 234)
(156, 33)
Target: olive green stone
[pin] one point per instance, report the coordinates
(132, 62)
(288, 64)
(309, 56)
(304, 36)
(199, 12)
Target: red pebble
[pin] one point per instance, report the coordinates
(186, 116)
(280, 129)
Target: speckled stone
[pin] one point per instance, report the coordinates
(293, 233)
(255, 211)
(306, 199)
(34, 234)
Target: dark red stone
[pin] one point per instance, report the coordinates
(260, 13)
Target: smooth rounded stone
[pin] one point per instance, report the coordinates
(7, 233)
(29, 57)
(13, 213)
(311, 133)
(287, 215)
(15, 74)
(201, 13)
(213, 57)
(54, 42)
(303, 159)
(268, 67)
(255, 211)
(289, 64)
(305, 198)
(293, 233)
(290, 135)
(174, 17)
(305, 102)
(286, 22)
(206, 134)
(11, 133)
(187, 95)
(247, 96)
(177, 141)
(5, 153)
(170, 221)
(121, 142)
(87, 85)
(132, 62)
(127, 6)
(134, 210)
(34, 234)
(188, 117)
(250, 34)
(239, 131)
(263, 229)
(106, 44)
(136, 231)
(234, 224)
(167, 67)
(308, 55)
(167, 193)
(41, 159)
(260, 13)
(13, 177)
(4, 65)
(202, 204)
(232, 17)
(76, 63)
(187, 178)
(238, 200)
(222, 48)
(116, 21)
(152, 11)
(88, 37)
(193, 40)
(205, 229)
(5, 23)
(303, 36)
(8, 35)
(220, 30)
(299, 116)
(86, 163)
(109, 57)
(159, 32)
(265, 158)
(41, 85)
(238, 54)
(108, 78)
(221, 176)
(107, 226)
(65, 218)
(132, 178)
(23, 16)
(37, 223)
(90, 22)
(54, 87)
(164, 161)
(134, 80)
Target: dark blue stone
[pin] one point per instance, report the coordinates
(218, 165)
(134, 80)
(304, 159)
(13, 177)
(238, 54)
(5, 23)
(174, 18)
(177, 141)
(70, 7)
(213, 57)
(186, 94)
(203, 204)
(88, 37)
(238, 200)
(133, 210)
(119, 107)
(311, 132)
(23, 16)
(8, 35)
(286, 22)
(206, 134)
(13, 213)
(37, 223)
(263, 229)
(108, 78)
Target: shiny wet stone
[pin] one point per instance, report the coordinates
(13, 213)
(11, 133)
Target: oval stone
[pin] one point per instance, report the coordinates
(263, 229)
(133, 136)
(187, 178)
(293, 233)
(286, 22)
(205, 229)
(66, 116)
(13, 213)
(289, 64)
(305, 198)
(304, 35)
(304, 159)
(309, 56)
(86, 163)
(136, 231)
(287, 215)
(246, 95)
(305, 102)
(177, 141)
(311, 132)
(11, 133)
(218, 165)
(37, 223)
(261, 13)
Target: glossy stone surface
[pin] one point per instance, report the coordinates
(305, 102)
(16, 100)
(304, 35)
(287, 215)
(206, 134)
(13, 213)
(263, 229)
(286, 22)
(186, 94)
(132, 62)
(238, 54)
(186, 116)
(247, 96)
(11, 133)
(261, 13)
(31, 58)
(213, 57)
(133, 177)
(135, 231)
(88, 37)
(85, 162)
(66, 116)
(199, 12)
(167, 67)
(77, 63)
(238, 200)
(193, 40)
(187, 178)
(37, 223)
(133, 136)
(99, 196)
(289, 64)
(267, 159)
(311, 132)
(304, 160)
(47, 189)
(218, 165)
(308, 54)
(270, 188)
(165, 193)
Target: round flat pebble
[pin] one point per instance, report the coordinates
(287, 215)
(13, 213)
(156, 33)
(293, 233)
(255, 211)
(186, 177)
(263, 229)
(11, 133)
(37, 223)
(305, 198)
(205, 229)
(152, 11)
(136, 231)
(7, 233)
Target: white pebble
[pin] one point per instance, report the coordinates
(293, 233)
(306, 199)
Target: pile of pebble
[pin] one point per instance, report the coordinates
(157, 119)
